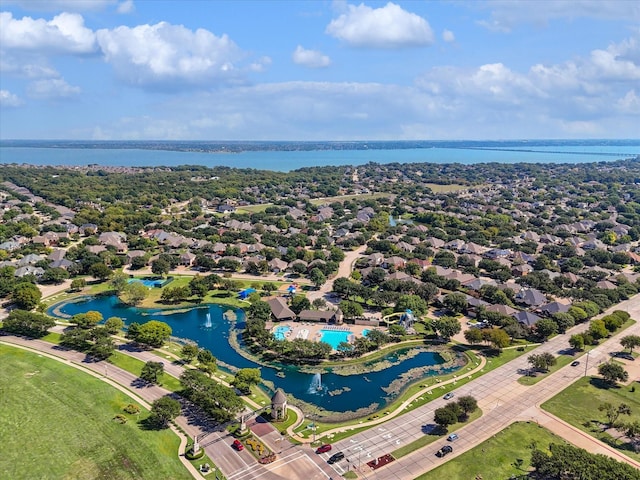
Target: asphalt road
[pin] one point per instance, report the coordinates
(502, 399)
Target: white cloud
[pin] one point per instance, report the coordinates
(65, 33)
(386, 27)
(629, 104)
(310, 58)
(507, 14)
(165, 54)
(448, 36)
(21, 67)
(583, 96)
(8, 99)
(261, 65)
(126, 7)
(52, 88)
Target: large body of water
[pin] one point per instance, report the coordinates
(338, 393)
(281, 160)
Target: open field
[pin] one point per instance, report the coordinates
(578, 405)
(497, 458)
(57, 422)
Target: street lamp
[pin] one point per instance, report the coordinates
(586, 364)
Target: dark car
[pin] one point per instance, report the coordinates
(323, 448)
(575, 363)
(444, 450)
(336, 457)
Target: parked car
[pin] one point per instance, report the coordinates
(448, 396)
(323, 448)
(336, 457)
(237, 444)
(453, 437)
(444, 450)
(575, 363)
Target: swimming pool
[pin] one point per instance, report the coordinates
(334, 337)
(280, 331)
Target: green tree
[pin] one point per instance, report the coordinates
(414, 303)
(164, 410)
(100, 271)
(31, 324)
(545, 328)
(114, 325)
(473, 336)
(317, 277)
(55, 275)
(299, 303)
(445, 416)
(153, 333)
(78, 284)
(455, 302)
(160, 267)
(612, 372)
(630, 342)
(134, 293)
(260, 310)
(542, 361)
(87, 320)
(613, 413)
(577, 342)
(497, 337)
(446, 326)
(189, 352)
(598, 330)
(245, 378)
(351, 309)
(467, 404)
(152, 371)
(26, 295)
(118, 282)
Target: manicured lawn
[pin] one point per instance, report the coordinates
(497, 457)
(133, 365)
(57, 422)
(428, 439)
(561, 361)
(578, 405)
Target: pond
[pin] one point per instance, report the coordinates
(207, 326)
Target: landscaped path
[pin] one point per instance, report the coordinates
(502, 399)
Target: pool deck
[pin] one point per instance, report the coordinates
(312, 330)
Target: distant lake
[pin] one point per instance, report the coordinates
(278, 160)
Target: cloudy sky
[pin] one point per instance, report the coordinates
(319, 70)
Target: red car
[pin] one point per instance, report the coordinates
(237, 444)
(323, 449)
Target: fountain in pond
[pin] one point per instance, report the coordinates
(207, 323)
(316, 383)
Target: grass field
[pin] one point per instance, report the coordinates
(57, 422)
(578, 405)
(497, 458)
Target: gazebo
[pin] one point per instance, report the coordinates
(279, 405)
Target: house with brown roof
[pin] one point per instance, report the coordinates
(280, 311)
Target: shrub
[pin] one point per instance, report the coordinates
(132, 409)
(120, 419)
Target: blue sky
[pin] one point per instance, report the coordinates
(319, 70)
